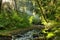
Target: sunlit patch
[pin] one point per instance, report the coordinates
(56, 31)
(34, 14)
(50, 35)
(31, 19)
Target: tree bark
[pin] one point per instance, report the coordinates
(40, 6)
(15, 1)
(0, 5)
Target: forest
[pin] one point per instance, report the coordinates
(29, 19)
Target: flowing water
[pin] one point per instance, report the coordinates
(27, 36)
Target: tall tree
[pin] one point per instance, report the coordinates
(0, 5)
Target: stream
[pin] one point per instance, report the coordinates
(30, 35)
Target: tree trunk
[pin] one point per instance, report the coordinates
(0, 5)
(15, 5)
(42, 12)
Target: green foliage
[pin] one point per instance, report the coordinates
(13, 19)
(49, 15)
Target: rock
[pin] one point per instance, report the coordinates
(2, 28)
(5, 37)
(35, 35)
(18, 36)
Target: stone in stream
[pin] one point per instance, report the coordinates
(5, 37)
(18, 35)
(35, 35)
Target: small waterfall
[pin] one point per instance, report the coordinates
(26, 36)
